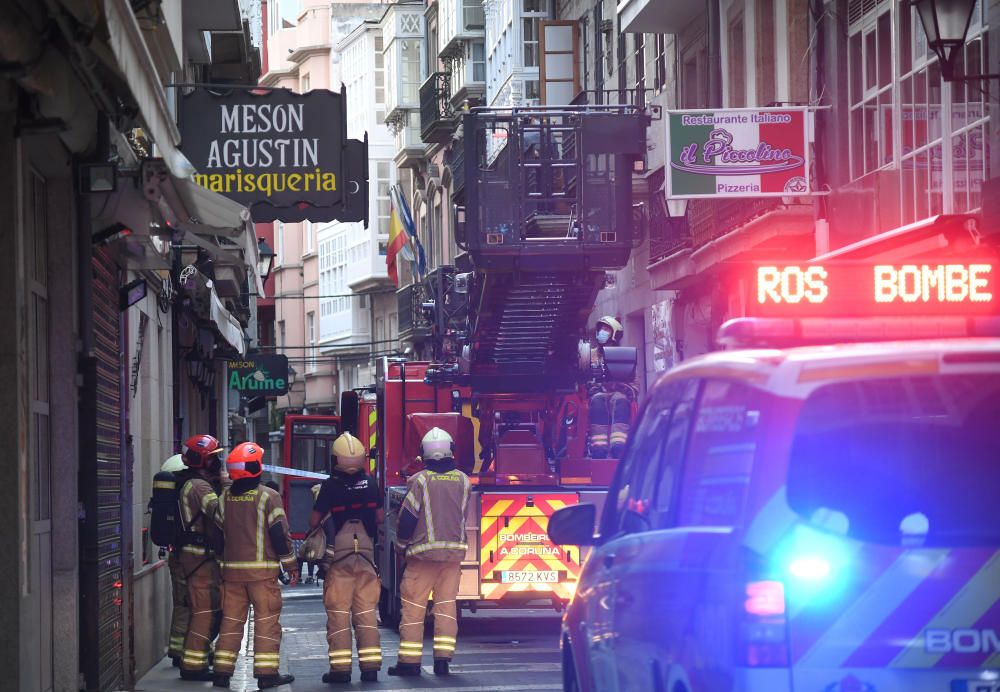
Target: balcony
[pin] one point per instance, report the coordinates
(728, 230)
(410, 149)
(657, 16)
(437, 118)
(413, 323)
(460, 21)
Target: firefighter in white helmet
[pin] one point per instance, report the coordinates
(349, 506)
(432, 528)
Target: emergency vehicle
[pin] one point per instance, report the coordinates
(815, 510)
(549, 210)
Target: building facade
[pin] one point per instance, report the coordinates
(129, 288)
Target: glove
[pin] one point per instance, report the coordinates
(293, 577)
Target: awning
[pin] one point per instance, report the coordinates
(137, 67)
(227, 325)
(657, 16)
(945, 234)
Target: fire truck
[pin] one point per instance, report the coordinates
(548, 212)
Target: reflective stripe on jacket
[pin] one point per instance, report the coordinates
(439, 501)
(246, 519)
(199, 510)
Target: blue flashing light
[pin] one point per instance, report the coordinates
(809, 568)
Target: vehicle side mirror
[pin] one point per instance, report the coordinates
(573, 525)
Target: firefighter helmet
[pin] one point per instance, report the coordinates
(437, 444)
(244, 461)
(201, 450)
(350, 452)
(173, 464)
(614, 325)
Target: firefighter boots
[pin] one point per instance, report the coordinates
(196, 675)
(369, 676)
(441, 666)
(336, 676)
(221, 681)
(268, 681)
(405, 670)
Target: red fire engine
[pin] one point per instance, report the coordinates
(546, 216)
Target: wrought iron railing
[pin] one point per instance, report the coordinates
(711, 219)
(436, 113)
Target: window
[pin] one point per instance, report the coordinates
(530, 38)
(478, 49)
(622, 66)
(281, 335)
(279, 243)
(650, 472)
(767, 75)
(560, 81)
(932, 439)
(273, 17)
(660, 51)
(363, 301)
(870, 92)
(383, 205)
(310, 233)
(721, 454)
(304, 83)
(379, 81)
(311, 335)
(473, 15)
(736, 74)
(409, 55)
(639, 60)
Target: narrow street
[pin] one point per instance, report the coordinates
(513, 650)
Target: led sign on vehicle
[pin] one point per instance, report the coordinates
(850, 289)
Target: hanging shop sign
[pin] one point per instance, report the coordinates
(258, 375)
(272, 150)
(744, 152)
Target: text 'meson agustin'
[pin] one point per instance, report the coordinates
(286, 146)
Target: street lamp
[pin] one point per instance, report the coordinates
(946, 23)
(265, 259)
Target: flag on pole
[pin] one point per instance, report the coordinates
(397, 241)
(411, 229)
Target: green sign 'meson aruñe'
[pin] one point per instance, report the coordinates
(259, 375)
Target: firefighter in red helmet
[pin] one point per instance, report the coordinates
(199, 506)
(257, 546)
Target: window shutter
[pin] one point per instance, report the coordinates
(560, 62)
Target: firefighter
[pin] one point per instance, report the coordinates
(351, 587)
(257, 545)
(432, 528)
(199, 506)
(610, 409)
(180, 615)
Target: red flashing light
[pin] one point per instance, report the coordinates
(835, 289)
(765, 598)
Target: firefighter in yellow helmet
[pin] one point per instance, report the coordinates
(432, 528)
(257, 545)
(349, 506)
(610, 409)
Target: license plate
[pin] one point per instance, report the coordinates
(975, 686)
(541, 577)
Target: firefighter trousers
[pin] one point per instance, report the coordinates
(350, 595)
(237, 597)
(420, 578)
(610, 417)
(203, 597)
(180, 616)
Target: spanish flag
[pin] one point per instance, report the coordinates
(397, 241)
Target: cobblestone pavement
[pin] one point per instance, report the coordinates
(500, 650)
